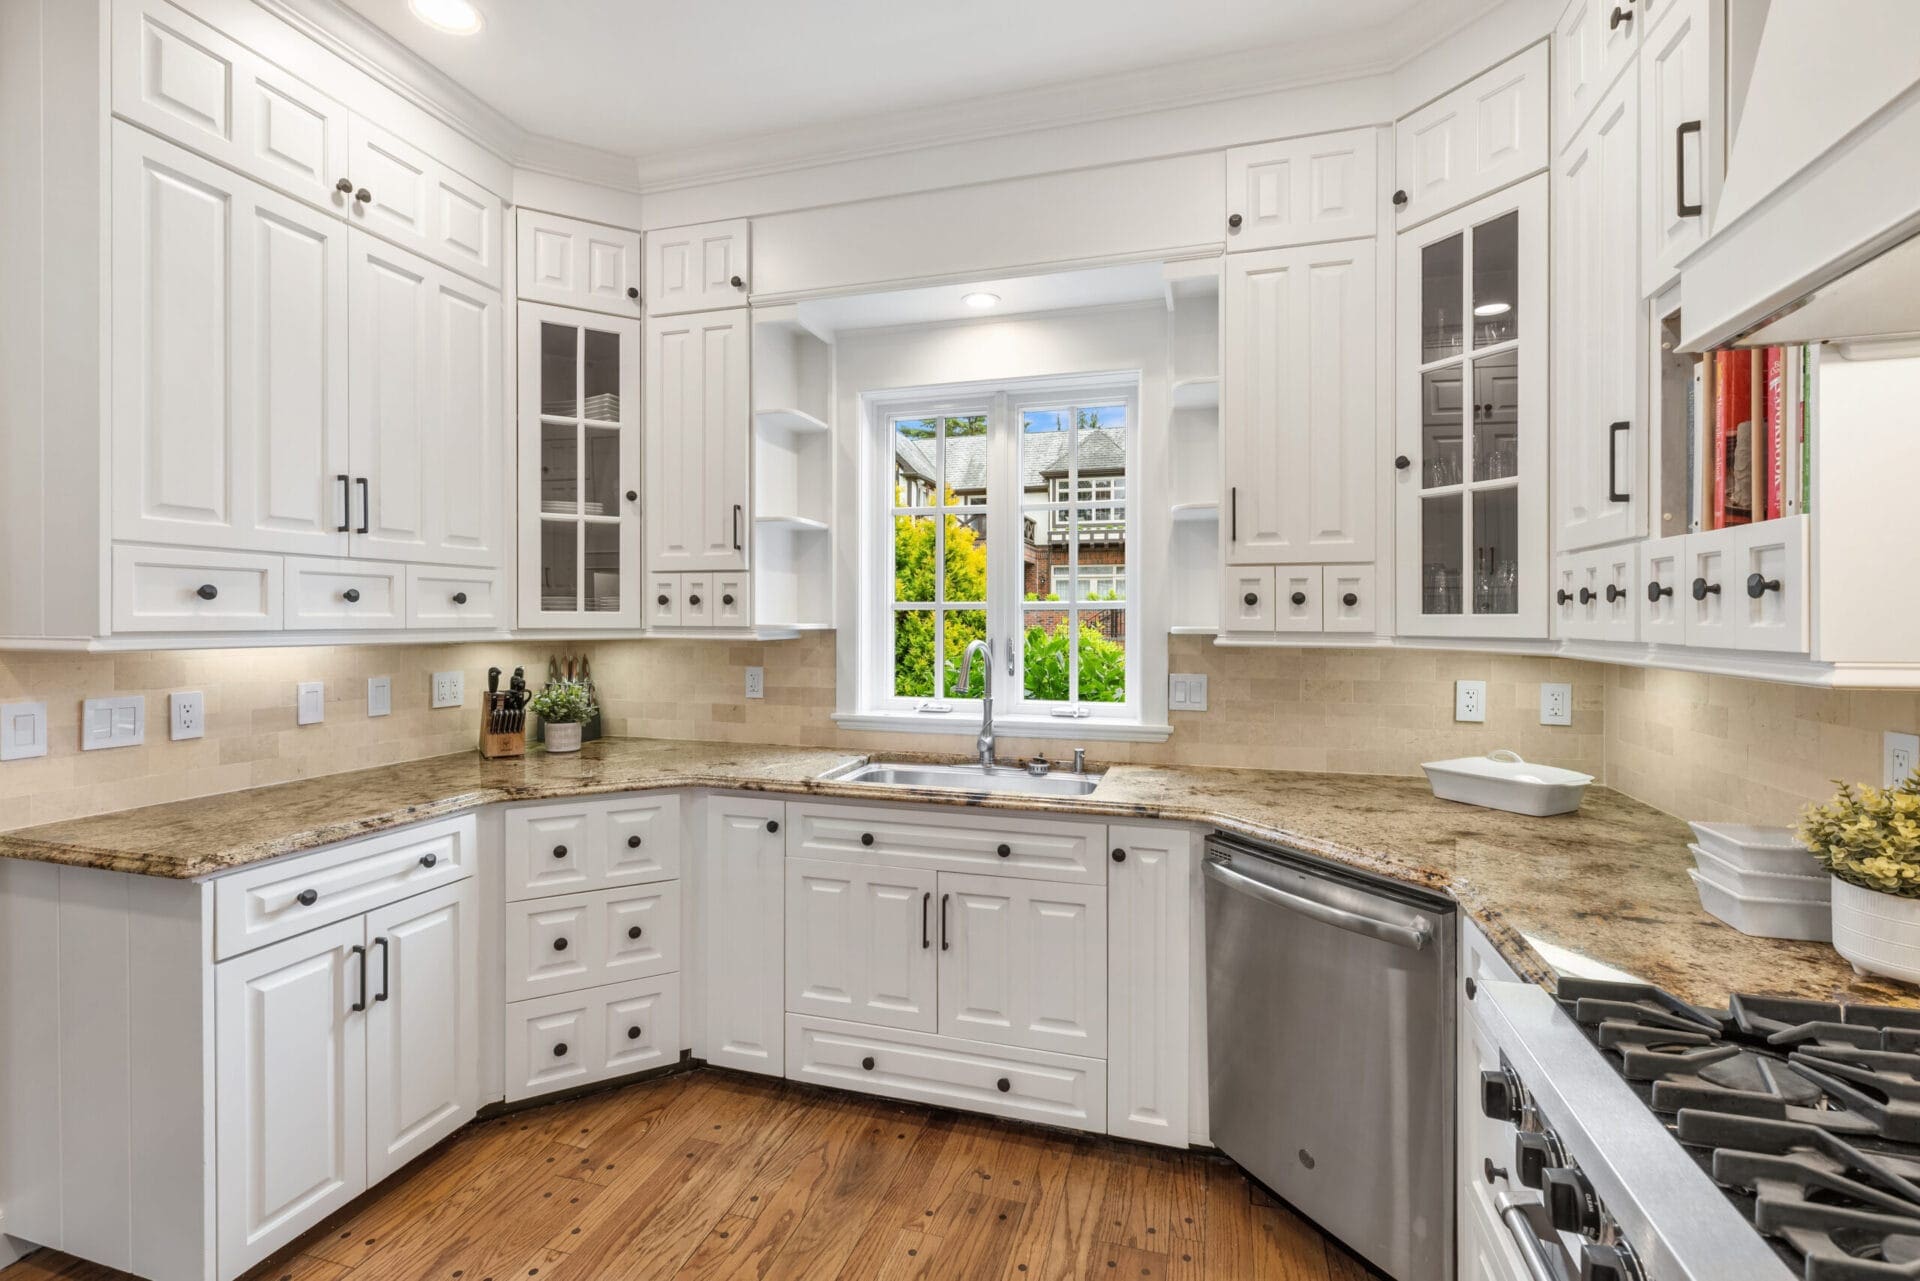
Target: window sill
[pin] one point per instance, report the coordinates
(1053, 728)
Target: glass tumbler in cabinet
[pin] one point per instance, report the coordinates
(580, 504)
(1471, 385)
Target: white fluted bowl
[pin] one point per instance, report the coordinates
(1879, 933)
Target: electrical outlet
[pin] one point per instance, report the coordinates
(310, 702)
(1186, 692)
(23, 730)
(187, 715)
(379, 695)
(449, 689)
(113, 722)
(1556, 704)
(1902, 755)
(1470, 700)
(756, 682)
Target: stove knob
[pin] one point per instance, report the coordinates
(1609, 1263)
(1497, 1101)
(1532, 1154)
(1571, 1202)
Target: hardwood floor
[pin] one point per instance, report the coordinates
(712, 1174)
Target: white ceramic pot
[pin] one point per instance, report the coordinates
(562, 738)
(1879, 933)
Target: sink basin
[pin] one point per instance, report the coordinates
(967, 778)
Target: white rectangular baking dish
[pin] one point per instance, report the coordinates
(1773, 850)
(1752, 884)
(1764, 917)
(1503, 781)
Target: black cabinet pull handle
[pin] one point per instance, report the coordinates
(944, 945)
(1298, 598)
(428, 860)
(867, 1063)
(1680, 205)
(1655, 591)
(1615, 592)
(1759, 585)
(560, 945)
(206, 591)
(344, 186)
(1619, 16)
(1402, 463)
(560, 1050)
(1614, 493)
(1119, 856)
(346, 501)
(926, 897)
(866, 838)
(633, 842)
(1350, 600)
(1399, 198)
(736, 527)
(1561, 597)
(361, 952)
(1233, 516)
(633, 931)
(366, 505)
(1003, 1085)
(1703, 589)
(662, 600)
(364, 196)
(736, 282)
(633, 292)
(386, 971)
(1233, 222)
(773, 825)
(633, 1033)
(1586, 596)
(351, 595)
(1250, 600)
(1004, 851)
(307, 898)
(459, 598)
(559, 851)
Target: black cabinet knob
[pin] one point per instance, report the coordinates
(867, 1063)
(351, 596)
(633, 1033)
(1759, 585)
(773, 825)
(736, 282)
(1298, 598)
(727, 599)
(1234, 221)
(1703, 589)
(1489, 1171)
(1003, 1085)
(560, 1050)
(1562, 597)
(661, 600)
(1402, 462)
(1615, 592)
(1655, 591)
(1005, 851)
(693, 600)
(633, 931)
(1119, 856)
(428, 860)
(364, 196)
(1571, 1202)
(1399, 198)
(344, 186)
(307, 898)
(1586, 596)
(633, 292)
(459, 598)
(633, 842)
(560, 945)
(1251, 599)
(1619, 16)
(633, 495)
(866, 838)
(1350, 600)
(207, 591)
(559, 851)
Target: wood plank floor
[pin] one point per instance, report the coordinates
(711, 1174)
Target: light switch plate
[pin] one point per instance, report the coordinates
(23, 730)
(379, 695)
(113, 722)
(1469, 700)
(1186, 692)
(449, 689)
(310, 702)
(186, 715)
(756, 682)
(1556, 704)
(1902, 753)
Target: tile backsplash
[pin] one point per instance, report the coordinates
(1695, 746)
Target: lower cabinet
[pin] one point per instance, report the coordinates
(744, 948)
(577, 1038)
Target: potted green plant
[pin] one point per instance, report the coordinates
(564, 706)
(1869, 841)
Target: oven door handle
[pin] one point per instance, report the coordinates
(1415, 936)
(1514, 1215)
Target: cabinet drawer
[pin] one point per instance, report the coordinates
(1055, 1089)
(278, 900)
(450, 598)
(577, 1038)
(575, 941)
(185, 589)
(547, 850)
(1024, 848)
(641, 841)
(345, 594)
(564, 849)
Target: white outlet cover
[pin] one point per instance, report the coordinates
(1186, 692)
(113, 722)
(756, 682)
(379, 695)
(1556, 704)
(1902, 756)
(23, 731)
(310, 702)
(1470, 701)
(186, 715)
(449, 689)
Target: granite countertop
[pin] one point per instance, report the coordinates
(1607, 886)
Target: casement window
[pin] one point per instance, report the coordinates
(1001, 513)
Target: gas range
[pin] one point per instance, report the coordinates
(1662, 1142)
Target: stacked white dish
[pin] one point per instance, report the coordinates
(1760, 881)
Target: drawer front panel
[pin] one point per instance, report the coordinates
(286, 897)
(184, 589)
(642, 1026)
(577, 1038)
(454, 598)
(1055, 1089)
(547, 850)
(1030, 850)
(345, 594)
(566, 849)
(642, 841)
(574, 941)
(642, 931)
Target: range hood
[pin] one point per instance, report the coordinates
(1816, 236)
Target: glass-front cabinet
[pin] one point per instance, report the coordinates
(579, 469)
(1471, 380)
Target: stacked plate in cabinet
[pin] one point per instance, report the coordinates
(1761, 881)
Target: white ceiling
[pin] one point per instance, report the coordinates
(1095, 287)
(645, 78)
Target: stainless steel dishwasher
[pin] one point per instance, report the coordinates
(1330, 1052)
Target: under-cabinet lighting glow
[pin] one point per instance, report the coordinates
(1492, 309)
(456, 16)
(981, 301)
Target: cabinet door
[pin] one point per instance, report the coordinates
(699, 268)
(697, 429)
(1148, 997)
(641, 841)
(406, 196)
(1661, 591)
(1299, 404)
(1299, 599)
(1348, 595)
(860, 943)
(1302, 190)
(1592, 43)
(426, 429)
(744, 895)
(1679, 143)
(1600, 435)
(423, 1021)
(1023, 963)
(291, 1088)
(1767, 585)
(1489, 132)
(230, 393)
(1247, 603)
(570, 263)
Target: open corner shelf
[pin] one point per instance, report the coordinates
(1201, 392)
(1197, 511)
(792, 522)
(796, 421)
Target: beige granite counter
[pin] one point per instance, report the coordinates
(1608, 884)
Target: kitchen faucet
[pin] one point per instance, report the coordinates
(985, 741)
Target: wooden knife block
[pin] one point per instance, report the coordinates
(494, 745)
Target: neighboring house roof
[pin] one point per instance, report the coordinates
(1103, 452)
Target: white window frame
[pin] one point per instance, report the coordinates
(1099, 572)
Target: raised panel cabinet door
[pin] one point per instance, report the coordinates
(1661, 591)
(1593, 42)
(408, 197)
(698, 268)
(860, 943)
(571, 263)
(230, 376)
(1247, 601)
(1300, 389)
(1023, 963)
(1302, 190)
(1148, 983)
(291, 1080)
(1679, 143)
(1487, 133)
(745, 909)
(423, 1023)
(641, 841)
(466, 447)
(697, 428)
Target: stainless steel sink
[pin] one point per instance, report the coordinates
(967, 778)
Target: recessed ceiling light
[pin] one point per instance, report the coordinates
(455, 16)
(1493, 309)
(981, 301)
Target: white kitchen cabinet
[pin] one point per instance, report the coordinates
(860, 943)
(1600, 430)
(1298, 408)
(1681, 153)
(415, 201)
(698, 268)
(697, 431)
(566, 262)
(1741, 588)
(1023, 963)
(191, 589)
(1596, 596)
(1302, 190)
(579, 481)
(1002, 845)
(1149, 964)
(591, 845)
(574, 941)
(456, 598)
(577, 1038)
(743, 895)
(1471, 472)
(1480, 137)
(1593, 42)
(1348, 596)
(1661, 591)
(346, 595)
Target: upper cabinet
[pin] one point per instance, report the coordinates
(1302, 191)
(570, 263)
(697, 430)
(1489, 132)
(1682, 142)
(1593, 42)
(700, 268)
(402, 193)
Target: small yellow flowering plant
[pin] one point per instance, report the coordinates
(1869, 837)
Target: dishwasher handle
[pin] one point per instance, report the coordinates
(1415, 936)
